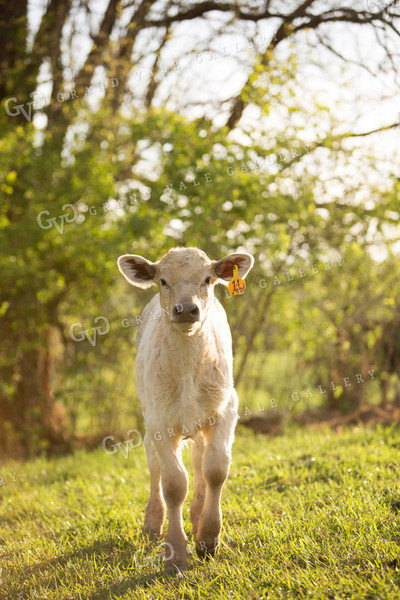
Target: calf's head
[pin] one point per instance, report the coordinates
(185, 278)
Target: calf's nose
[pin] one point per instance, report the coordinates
(186, 312)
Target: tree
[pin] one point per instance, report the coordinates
(67, 150)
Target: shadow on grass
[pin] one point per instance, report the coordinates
(126, 585)
(118, 552)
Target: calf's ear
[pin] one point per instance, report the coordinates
(223, 268)
(137, 270)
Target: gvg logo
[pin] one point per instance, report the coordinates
(154, 561)
(68, 217)
(38, 102)
(130, 444)
(102, 329)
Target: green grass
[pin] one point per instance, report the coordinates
(306, 515)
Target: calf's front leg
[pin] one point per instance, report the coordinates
(174, 480)
(199, 485)
(216, 462)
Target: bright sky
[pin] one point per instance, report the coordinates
(224, 58)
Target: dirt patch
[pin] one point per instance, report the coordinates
(365, 414)
(272, 422)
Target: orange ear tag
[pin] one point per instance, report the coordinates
(236, 285)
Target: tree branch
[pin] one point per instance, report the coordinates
(100, 42)
(153, 84)
(287, 29)
(324, 143)
(282, 32)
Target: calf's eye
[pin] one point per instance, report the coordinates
(163, 282)
(207, 281)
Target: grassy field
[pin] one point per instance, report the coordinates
(306, 515)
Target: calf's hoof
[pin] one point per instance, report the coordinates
(206, 544)
(151, 533)
(204, 551)
(175, 562)
(175, 568)
(174, 571)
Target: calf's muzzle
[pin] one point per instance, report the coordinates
(185, 312)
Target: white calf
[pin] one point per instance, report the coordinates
(185, 384)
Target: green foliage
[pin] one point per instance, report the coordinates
(160, 179)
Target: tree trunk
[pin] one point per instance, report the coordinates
(397, 394)
(31, 420)
(384, 385)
